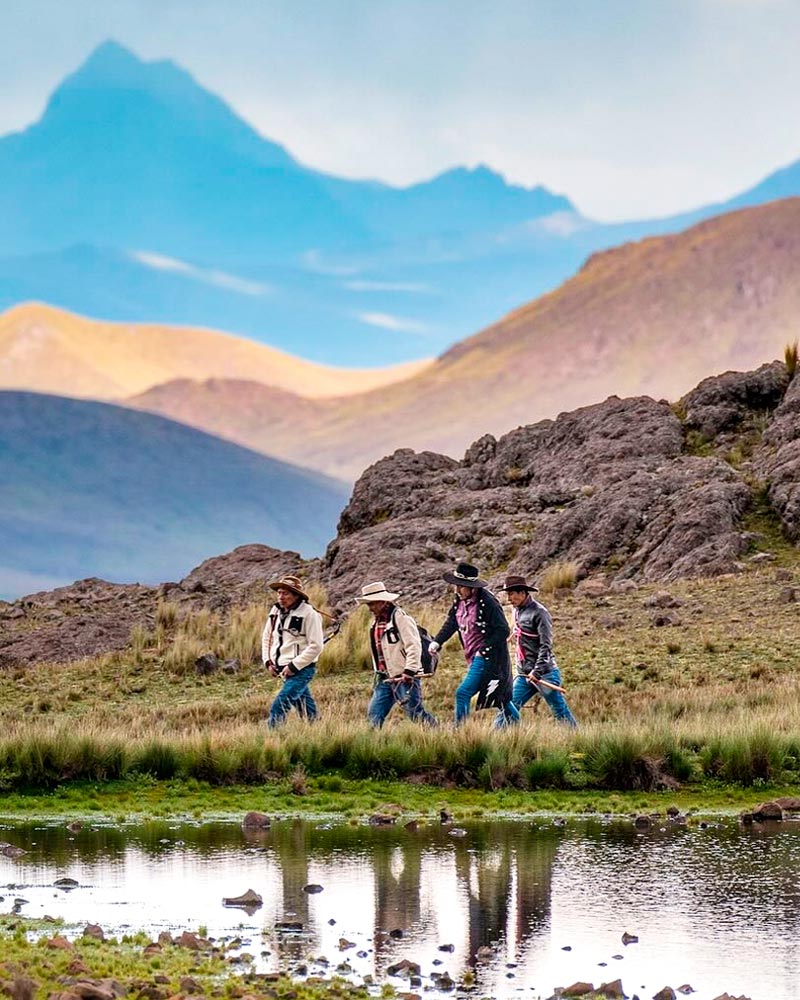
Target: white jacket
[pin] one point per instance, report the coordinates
(292, 638)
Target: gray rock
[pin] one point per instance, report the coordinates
(606, 484)
(256, 821)
(777, 460)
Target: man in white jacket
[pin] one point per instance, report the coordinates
(290, 644)
(396, 658)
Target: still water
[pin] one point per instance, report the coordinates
(717, 908)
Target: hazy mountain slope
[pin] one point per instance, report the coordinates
(90, 489)
(653, 317)
(50, 350)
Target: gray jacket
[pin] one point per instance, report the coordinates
(533, 631)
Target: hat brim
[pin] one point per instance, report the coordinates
(459, 581)
(520, 586)
(282, 585)
(386, 595)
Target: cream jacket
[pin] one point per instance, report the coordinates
(292, 638)
(400, 644)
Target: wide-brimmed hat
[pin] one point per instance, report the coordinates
(517, 583)
(464, 575)
(376, 592)
(290, 583)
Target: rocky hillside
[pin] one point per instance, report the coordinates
(648, 318)
(630, 490)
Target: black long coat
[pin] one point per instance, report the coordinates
(495, 690)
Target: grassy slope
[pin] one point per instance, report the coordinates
(712, 701)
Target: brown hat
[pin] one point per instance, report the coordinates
(464, 575)
(517, 583)
(290, 583)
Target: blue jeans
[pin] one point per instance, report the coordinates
(407, 694)
(557, 703)
(295, 693)
(469, 687)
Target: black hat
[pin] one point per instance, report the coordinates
(464, 575)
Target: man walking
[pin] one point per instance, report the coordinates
(478, 618)
(396, 657)
(290, 644)
(537, 670)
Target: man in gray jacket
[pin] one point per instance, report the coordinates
(537, 670)
(396, 657)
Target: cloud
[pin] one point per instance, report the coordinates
(398, 324)
(412, 287)
(160, 262)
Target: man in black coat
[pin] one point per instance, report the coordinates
(481, 624)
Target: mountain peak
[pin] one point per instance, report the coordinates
(113, 85)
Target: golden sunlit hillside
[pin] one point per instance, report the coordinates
(44, 349)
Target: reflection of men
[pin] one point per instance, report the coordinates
(290, 644)
(482, 627)
(396, 650)
(537, 670)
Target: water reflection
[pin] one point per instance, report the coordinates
(716, 908)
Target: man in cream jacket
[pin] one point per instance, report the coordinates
(396, 658)
(290, 644)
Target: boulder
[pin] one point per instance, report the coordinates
(247, 899)
(734, 401)
(256, 821)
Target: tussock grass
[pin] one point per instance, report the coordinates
(790, 358)
(715, 700)
(558, 576)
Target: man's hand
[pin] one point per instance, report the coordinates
(434, 646)
(286, 673)
(271, 667)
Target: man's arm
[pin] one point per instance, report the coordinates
(544, 626)
(312, 629)
(412, 644)
(497, 631)
(448, 629)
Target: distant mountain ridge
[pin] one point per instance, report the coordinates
(99, 490)
(653, 317)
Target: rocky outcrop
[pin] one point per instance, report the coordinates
(608, 487)
(778, 460)
(723, 405)
(92, 616)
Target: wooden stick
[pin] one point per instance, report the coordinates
(547, 684)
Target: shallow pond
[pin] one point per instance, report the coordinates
(526, 905)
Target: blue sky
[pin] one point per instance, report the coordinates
(632, 108)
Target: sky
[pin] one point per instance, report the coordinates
(632, 108)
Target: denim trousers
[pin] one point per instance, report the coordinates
(406, 693)
(295, 694)
(556, 702)
(469, 687)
